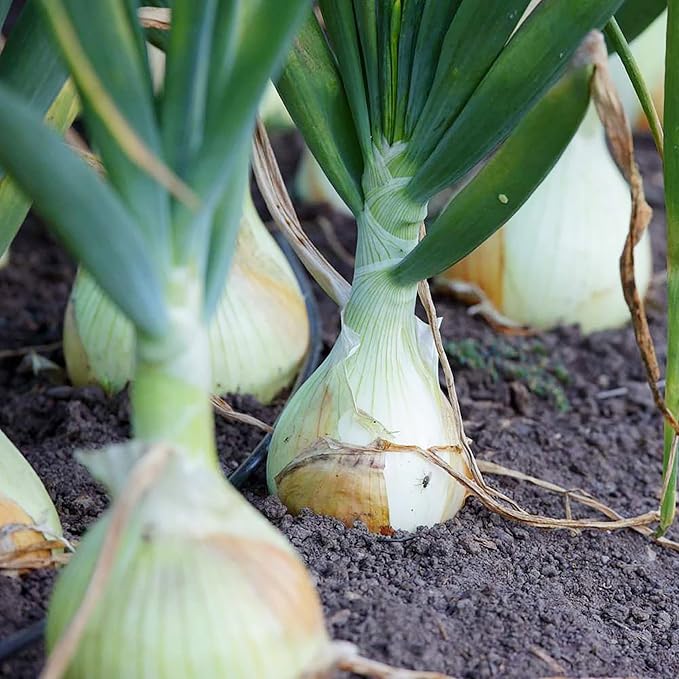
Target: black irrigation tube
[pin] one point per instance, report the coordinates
(17, 642)
(28, 636)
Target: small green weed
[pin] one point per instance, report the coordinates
(529, 364)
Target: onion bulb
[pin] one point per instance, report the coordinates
(556, 260)
(349, 442)
(199, 585)
(23, 502)
(258, 336)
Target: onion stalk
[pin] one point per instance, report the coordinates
(258, 335)
(648, 50)
(28, 518)
(556, 260)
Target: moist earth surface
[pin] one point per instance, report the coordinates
(478, 596)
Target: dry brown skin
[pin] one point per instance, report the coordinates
(304, 483)
(476, 597)
(26, 544)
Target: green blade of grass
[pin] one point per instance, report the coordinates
(86, 214)
(635, 15)
(312, 91)
(504, 183)
(532, 61)
(668, 507)
(617, 39)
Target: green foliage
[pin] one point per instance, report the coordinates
(431, 90)
(171, 162)
(503, 184)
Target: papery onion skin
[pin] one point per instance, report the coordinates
(24, 501)
(11, 514)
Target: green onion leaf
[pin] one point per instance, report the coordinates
(101, 45)
(669, 501)
(534, 58)
(88, 217)
(341, 29)
(463, 62)
(312, 91)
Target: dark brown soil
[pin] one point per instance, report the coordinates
(476, 597)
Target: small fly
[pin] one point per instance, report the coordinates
(424, 481)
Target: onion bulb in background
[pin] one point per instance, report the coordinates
(312, 186)
(649, 53)
(272, 110)
(199, 585)
(23, 502)
(258, 335)
(556, 260)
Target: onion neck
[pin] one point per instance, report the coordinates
(171, 387)
(388, 229)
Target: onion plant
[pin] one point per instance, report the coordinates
(163, 584)
(258, 335)
(398, 101)
(556, 260)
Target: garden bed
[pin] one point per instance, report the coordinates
(475, 597)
